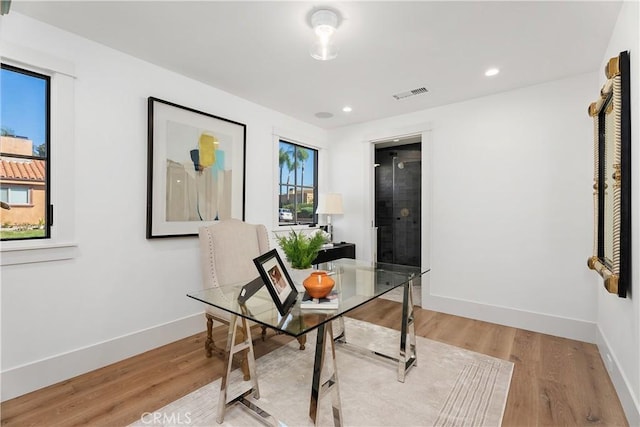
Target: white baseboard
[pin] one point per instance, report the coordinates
(538, 322)
(33, 376)
(630, 404)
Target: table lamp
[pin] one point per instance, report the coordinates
(330, 204)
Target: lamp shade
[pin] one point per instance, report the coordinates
(330, 204)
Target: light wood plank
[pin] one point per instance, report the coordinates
(522, 402)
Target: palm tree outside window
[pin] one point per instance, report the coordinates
(298, 190)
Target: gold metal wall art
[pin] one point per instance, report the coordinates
(612, 178)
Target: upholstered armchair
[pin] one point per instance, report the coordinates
(227, 250)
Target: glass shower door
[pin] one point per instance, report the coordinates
(398, 204)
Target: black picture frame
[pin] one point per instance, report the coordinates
(277, 280)
(195, 169)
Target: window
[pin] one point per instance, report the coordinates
(298, 184)
(54, 238)
(24, 154)
(15, 195)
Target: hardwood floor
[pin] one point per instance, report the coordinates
(556, 381)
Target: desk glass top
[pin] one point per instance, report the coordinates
(356, 282)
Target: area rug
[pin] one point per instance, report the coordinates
(450, 386)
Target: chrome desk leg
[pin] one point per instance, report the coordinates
(318, 391)
(233, 348)
(406, 361)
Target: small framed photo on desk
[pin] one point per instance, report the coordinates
(277, 280)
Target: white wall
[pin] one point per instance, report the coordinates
(619, 319)
(511, 204)
(123, 294)
(508, 179)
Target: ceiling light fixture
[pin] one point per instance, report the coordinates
(324, 23)
(347, 109)
(491, 72)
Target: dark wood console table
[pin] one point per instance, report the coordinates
(339, 250)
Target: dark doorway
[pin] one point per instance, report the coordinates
(398, 176)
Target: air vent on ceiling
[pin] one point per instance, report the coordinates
(403, 95)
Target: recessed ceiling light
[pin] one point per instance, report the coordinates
(491, 72)
(347, 109)
(324, 115)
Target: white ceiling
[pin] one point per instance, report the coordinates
(259, 50)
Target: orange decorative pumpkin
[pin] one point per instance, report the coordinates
(318, 284)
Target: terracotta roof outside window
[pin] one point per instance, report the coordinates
(30, 170)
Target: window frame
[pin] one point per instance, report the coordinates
(61, 245)
(48, 206)
(314, 217)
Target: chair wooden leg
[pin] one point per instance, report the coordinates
(245, 361)
(208, 344)
(210, 347)
(302, 340)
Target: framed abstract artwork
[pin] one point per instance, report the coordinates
(195, 169)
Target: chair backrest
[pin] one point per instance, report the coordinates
(227, 250)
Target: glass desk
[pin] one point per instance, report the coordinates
(357, 282)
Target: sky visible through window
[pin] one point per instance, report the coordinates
(23, 106)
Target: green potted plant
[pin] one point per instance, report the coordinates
(301, 249)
